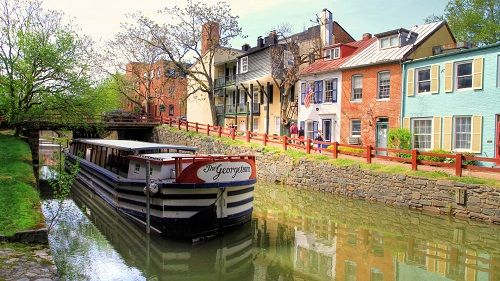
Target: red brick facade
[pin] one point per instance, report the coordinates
(370, 109)
(163, 87)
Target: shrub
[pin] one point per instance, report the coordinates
(436, 158)
(469, 162)
(399, 138)
(349, 149)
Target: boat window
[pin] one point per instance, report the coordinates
(137, 168)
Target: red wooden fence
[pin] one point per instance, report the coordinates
(413, 157)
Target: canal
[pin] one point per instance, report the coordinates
(294, 235)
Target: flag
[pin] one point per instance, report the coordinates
(309, 95)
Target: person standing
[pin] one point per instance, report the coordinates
(294, 132)
(319, 137)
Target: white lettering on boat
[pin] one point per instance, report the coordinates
(225, 171)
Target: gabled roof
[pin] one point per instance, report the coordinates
(374, 55)
(322, 66)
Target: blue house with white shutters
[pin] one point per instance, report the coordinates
(451, 101)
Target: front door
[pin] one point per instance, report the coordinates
(382, 126)
(498, 139)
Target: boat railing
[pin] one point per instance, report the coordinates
(193, 159)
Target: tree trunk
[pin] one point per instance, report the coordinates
(213, 112)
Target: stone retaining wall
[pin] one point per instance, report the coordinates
(438, 196)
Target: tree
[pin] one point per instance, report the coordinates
(142, 64)
(287, 57)
(180, 41)
(44, 64)
(477, 21)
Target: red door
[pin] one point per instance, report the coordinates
(498, 138)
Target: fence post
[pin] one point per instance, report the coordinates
(308, 146)
(264, 139)
(335, 149)
(458, 164)
(248, 136)
(208, 129)
(219, 131)
(233, 133)
(187, 126)
(285, 142)
(369, 154)
(414, 158)
(178, 123)
(196, 127)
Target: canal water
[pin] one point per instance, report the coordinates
(294, 235)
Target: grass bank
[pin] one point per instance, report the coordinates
(394, 169)
(19, 200)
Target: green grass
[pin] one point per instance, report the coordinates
(19, 200)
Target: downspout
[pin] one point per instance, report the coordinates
(403, 96)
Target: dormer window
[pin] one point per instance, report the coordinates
(333, 53)
(389, 42)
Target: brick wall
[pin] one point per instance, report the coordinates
(369, 109)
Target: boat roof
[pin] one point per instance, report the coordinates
(171, 156)
(130, 145)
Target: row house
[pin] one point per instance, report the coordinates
(372, 80)
(324, 79)
(158, 87)
(258, 71)
(452, 101)
(369, 90)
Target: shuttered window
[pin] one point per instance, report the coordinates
(462, 132)
(331, 90)
(423, 80)
(410, 85)
(422, 133)
(477, 75)
(463, 75)
(318, 91)
(302, 92)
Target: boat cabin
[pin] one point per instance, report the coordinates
(127, 158)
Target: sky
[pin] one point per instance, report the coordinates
(101, 19)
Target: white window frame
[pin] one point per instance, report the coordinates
(137, 168)
(336, 53)
(413, 134)
(244, 64)
(353, 94)
(389, 39)
(455, 76)
(351, 128)
(379, 85)
(255, 124)
(455, 133)
(277, 125)
(328, 91)
(256, 95)
(417, 82)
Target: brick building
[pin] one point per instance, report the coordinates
(159, 89)
(371, 81)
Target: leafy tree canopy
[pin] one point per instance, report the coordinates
(477, 21)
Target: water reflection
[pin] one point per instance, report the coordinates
(294, 235)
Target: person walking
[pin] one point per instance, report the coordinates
(301, 135)
(294, 132)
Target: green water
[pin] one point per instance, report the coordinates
(294, 235)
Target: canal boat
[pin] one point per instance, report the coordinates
(191, 195)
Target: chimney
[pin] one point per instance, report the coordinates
(326, 28)
(366, 36)
(209, 36)
(273, 38)
(245, 47)
(260, 42)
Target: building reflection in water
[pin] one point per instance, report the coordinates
(339, 239)
(294, 235)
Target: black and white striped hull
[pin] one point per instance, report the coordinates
(180, 210)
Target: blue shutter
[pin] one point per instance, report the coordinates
(320, 94)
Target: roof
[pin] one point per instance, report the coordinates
(373, 55)
(129, 145)
(391, 32)
(457, 52)
(321, 66)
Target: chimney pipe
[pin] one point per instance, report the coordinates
(260, 42)
(366, 36)
(326, 28)
(245, 47)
